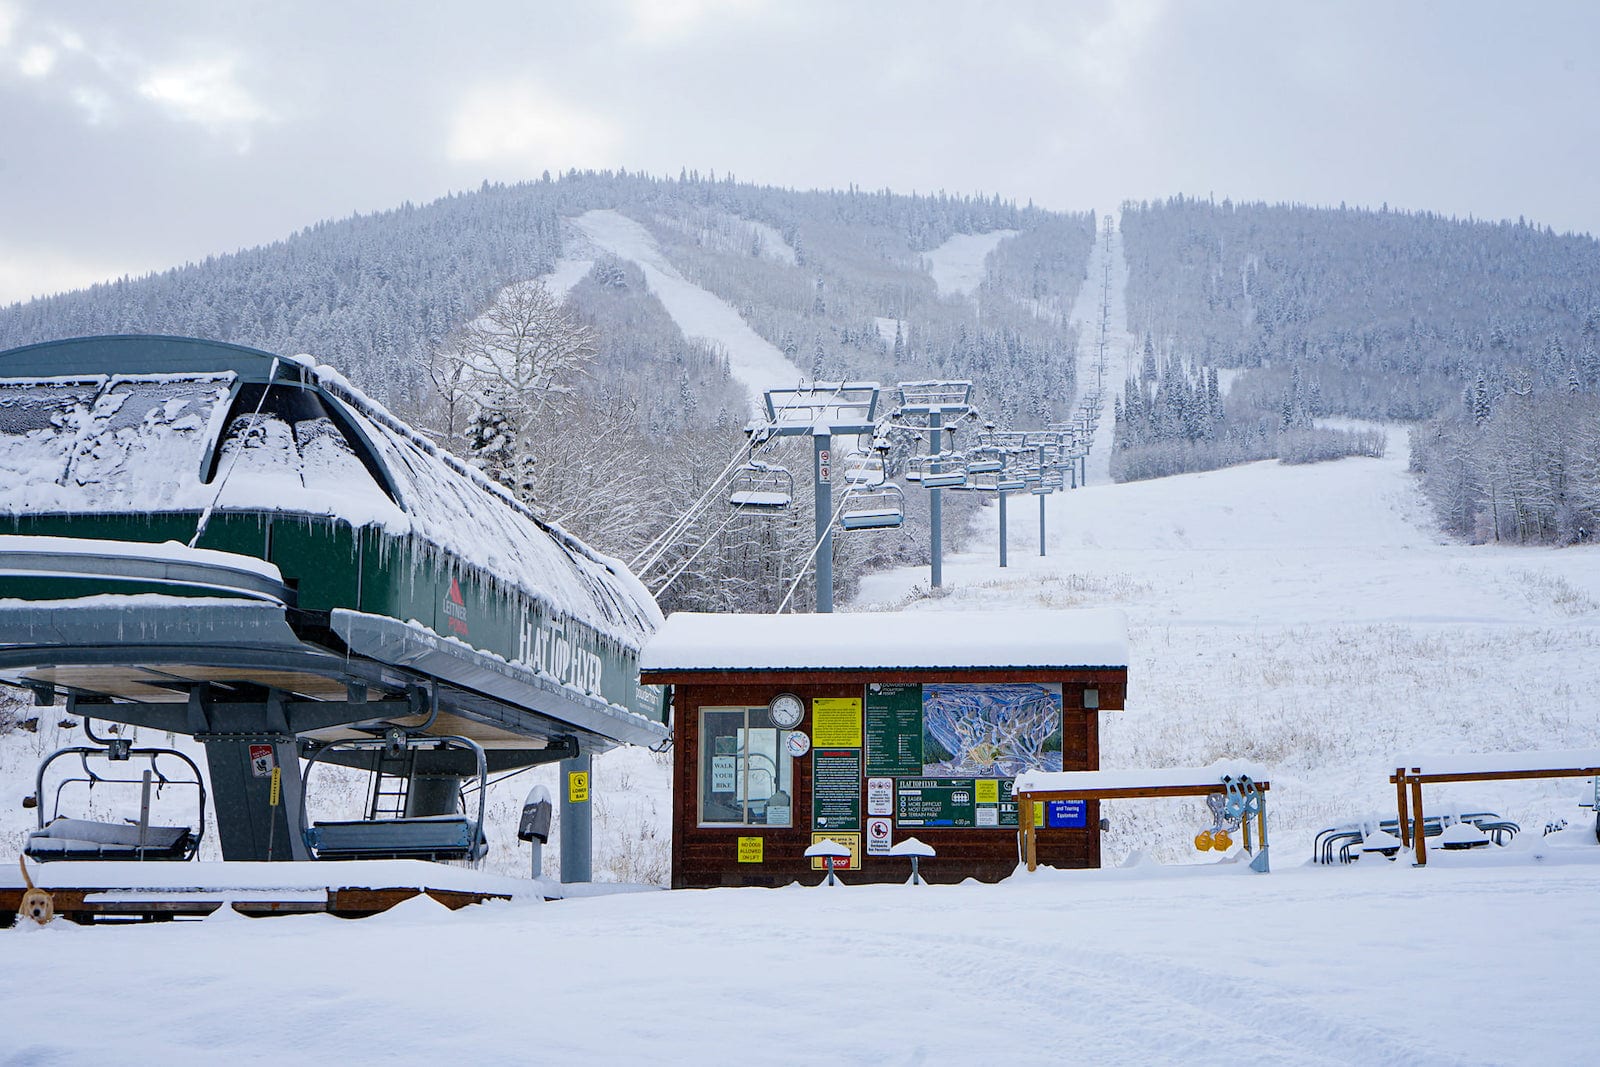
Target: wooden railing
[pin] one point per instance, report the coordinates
(1411, 775)
(1042, 787)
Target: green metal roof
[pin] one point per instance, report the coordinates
(141, 354)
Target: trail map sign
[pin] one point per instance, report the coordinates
(836, 788)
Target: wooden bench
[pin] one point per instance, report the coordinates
(1410, 775)
(1041, 787)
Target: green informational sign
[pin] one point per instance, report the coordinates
(836, 789)
(894, 730)
(955, 802)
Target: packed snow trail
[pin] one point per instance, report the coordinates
(755, 362)
(960, 264)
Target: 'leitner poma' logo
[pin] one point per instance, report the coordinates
(455, 609)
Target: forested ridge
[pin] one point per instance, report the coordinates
(632, 419)
(1484, 332)
(1256, 325)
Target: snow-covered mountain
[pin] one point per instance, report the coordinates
(1311, 618)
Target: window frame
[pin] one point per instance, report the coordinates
(783, 766)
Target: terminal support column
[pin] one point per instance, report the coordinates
(577, 819)
(821, 471)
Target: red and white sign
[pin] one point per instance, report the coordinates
(262, 761)
(880, 836)
(825, 460)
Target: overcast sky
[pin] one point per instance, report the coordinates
(137, 136)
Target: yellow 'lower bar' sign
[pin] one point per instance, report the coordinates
(277, 786)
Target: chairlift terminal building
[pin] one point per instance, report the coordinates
(873, 728)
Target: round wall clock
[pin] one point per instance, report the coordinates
(787, 710)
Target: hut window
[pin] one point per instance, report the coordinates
(746, 778)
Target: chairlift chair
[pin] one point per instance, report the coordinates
(984, 459)
(950, 472)
(862, 468)
(880, 507)
(452, 837)
(980, 481)
(761, 487)
(62, 838)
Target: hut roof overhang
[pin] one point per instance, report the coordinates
(694, 644)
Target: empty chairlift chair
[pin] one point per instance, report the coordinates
(761, 486)
(392, 834)
(863, 468)
(878, 507)
(947, 470)
(154, 770)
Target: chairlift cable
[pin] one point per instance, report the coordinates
(732, 514)
(205, 516)
(683, 528)
(665, 539)
(672, 529)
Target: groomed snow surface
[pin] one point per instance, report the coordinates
(1303, 619)
(958, 266)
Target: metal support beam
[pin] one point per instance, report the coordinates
(249, 827)
(577, 820)
(1041, 525)
(1002, 495)
(1041, 503)
(935, 505)
(821, 471)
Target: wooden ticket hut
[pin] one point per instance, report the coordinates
(872, 728)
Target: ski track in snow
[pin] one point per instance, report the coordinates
(1086, 316)
(756, 363)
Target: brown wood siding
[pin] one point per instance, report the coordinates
(706, 857)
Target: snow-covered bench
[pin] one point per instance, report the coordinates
(84, 839)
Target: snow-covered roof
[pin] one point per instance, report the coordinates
(127, 425)
(694, 641)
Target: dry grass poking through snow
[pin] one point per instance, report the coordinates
(1543, 588)
(1330, 709)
